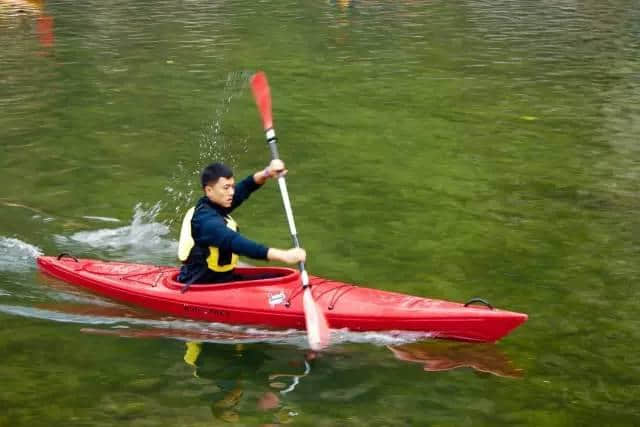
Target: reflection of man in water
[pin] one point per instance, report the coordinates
(228, 366)
(233, 368)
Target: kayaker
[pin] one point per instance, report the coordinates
(209, 240)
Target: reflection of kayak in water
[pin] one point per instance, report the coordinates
(146, 325)
(445, 356)
(277, 301)
(211, 335)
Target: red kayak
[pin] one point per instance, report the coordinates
(277, 302)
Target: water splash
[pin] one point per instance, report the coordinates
(212, 147)
(17, 256)
(143, 240)
(213, 144)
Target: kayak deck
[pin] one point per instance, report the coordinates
(277, 302)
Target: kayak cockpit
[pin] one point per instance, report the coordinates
(276, 276)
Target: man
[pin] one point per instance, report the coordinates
(209, 240)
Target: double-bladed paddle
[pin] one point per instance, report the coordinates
(317, 327)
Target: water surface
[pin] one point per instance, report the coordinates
(445, 149)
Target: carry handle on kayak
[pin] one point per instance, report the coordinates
(478, 300)
(68, 255)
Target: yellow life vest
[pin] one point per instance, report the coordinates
(187, 243)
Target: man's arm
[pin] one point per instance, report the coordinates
(251, 183)
(216, 233)
(243, 190)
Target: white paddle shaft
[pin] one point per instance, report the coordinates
(287, 206)
(282, 183)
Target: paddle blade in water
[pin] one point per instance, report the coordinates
(317, 326)
(262, 94)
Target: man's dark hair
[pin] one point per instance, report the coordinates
(212, 173)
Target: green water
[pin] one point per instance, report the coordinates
(445, 149)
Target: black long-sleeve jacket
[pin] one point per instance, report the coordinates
(209, 228)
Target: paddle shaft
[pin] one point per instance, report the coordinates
(282, 183)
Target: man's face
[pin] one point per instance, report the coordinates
(221, 192)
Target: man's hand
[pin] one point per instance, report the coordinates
(275, 169)
(288, 256)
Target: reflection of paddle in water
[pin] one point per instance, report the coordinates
(294, 383)
(444, 356)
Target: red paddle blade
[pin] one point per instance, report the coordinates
(262, 94)
(317, 326)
